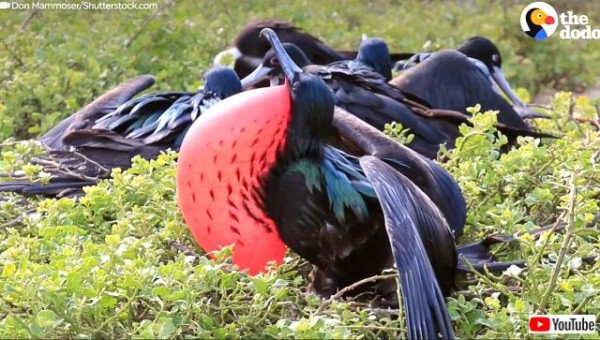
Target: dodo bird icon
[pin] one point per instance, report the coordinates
(539, 20)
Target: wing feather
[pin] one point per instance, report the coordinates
(407, 213)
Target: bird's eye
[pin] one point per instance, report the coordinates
(539, 15)
(274, 61)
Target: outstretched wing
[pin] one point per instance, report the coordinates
(357, 137)
(410, 223)
(86, 117)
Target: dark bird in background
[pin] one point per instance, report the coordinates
(484, 54)
(248, 49)
(373, 54)
(365, 93)
(110, 131)
(448, 80)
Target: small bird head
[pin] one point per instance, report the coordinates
(374, 52)
(484, 50)
(222, 81)
(270, 67)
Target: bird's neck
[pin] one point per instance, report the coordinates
(307, 131)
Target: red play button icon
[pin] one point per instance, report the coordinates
(539, 324)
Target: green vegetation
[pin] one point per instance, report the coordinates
(110, 265)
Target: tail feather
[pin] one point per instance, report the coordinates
(478, 256)
(111, 149)
(58, 187)
(97, 153)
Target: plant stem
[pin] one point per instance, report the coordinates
(565, 245)
(498, 287)
(354, 286)
(580, 306)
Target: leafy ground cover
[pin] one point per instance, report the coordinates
(116, 263)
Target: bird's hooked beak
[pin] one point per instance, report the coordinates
(519, 106)
(259, 74)
(290, 69)
(499, 78)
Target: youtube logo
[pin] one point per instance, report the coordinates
(539, 324)
(562, 324)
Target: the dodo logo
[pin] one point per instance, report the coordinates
(539, 20)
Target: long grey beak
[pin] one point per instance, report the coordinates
(519, 106)
(498, 77)
(289, 68)
(260, 73)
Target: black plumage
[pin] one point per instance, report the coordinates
(248, 50)
(366, 94)
(110, 131)
(352, 212)
(449, 80)
(484, 54)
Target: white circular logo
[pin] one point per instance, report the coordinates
(539, 20)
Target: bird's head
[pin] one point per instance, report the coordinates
(222, 81)
(374, 52)
(270, 67)
(485, 51)
(312, 100)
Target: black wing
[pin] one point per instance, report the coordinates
(407, 221)
(366, 95)
(358, 138)
(448, 80)
(94, 154)
(86, 117)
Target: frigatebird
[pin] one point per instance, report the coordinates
(373, 54)
(448, 80)
(335, 190)
(248, 49)
(484, 54)
(110, 131)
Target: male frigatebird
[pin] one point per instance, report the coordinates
(248, 49)
(283, 165)
(484, 54)
(335, 190)
(108, 132)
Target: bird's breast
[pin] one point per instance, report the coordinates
(223, 159)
